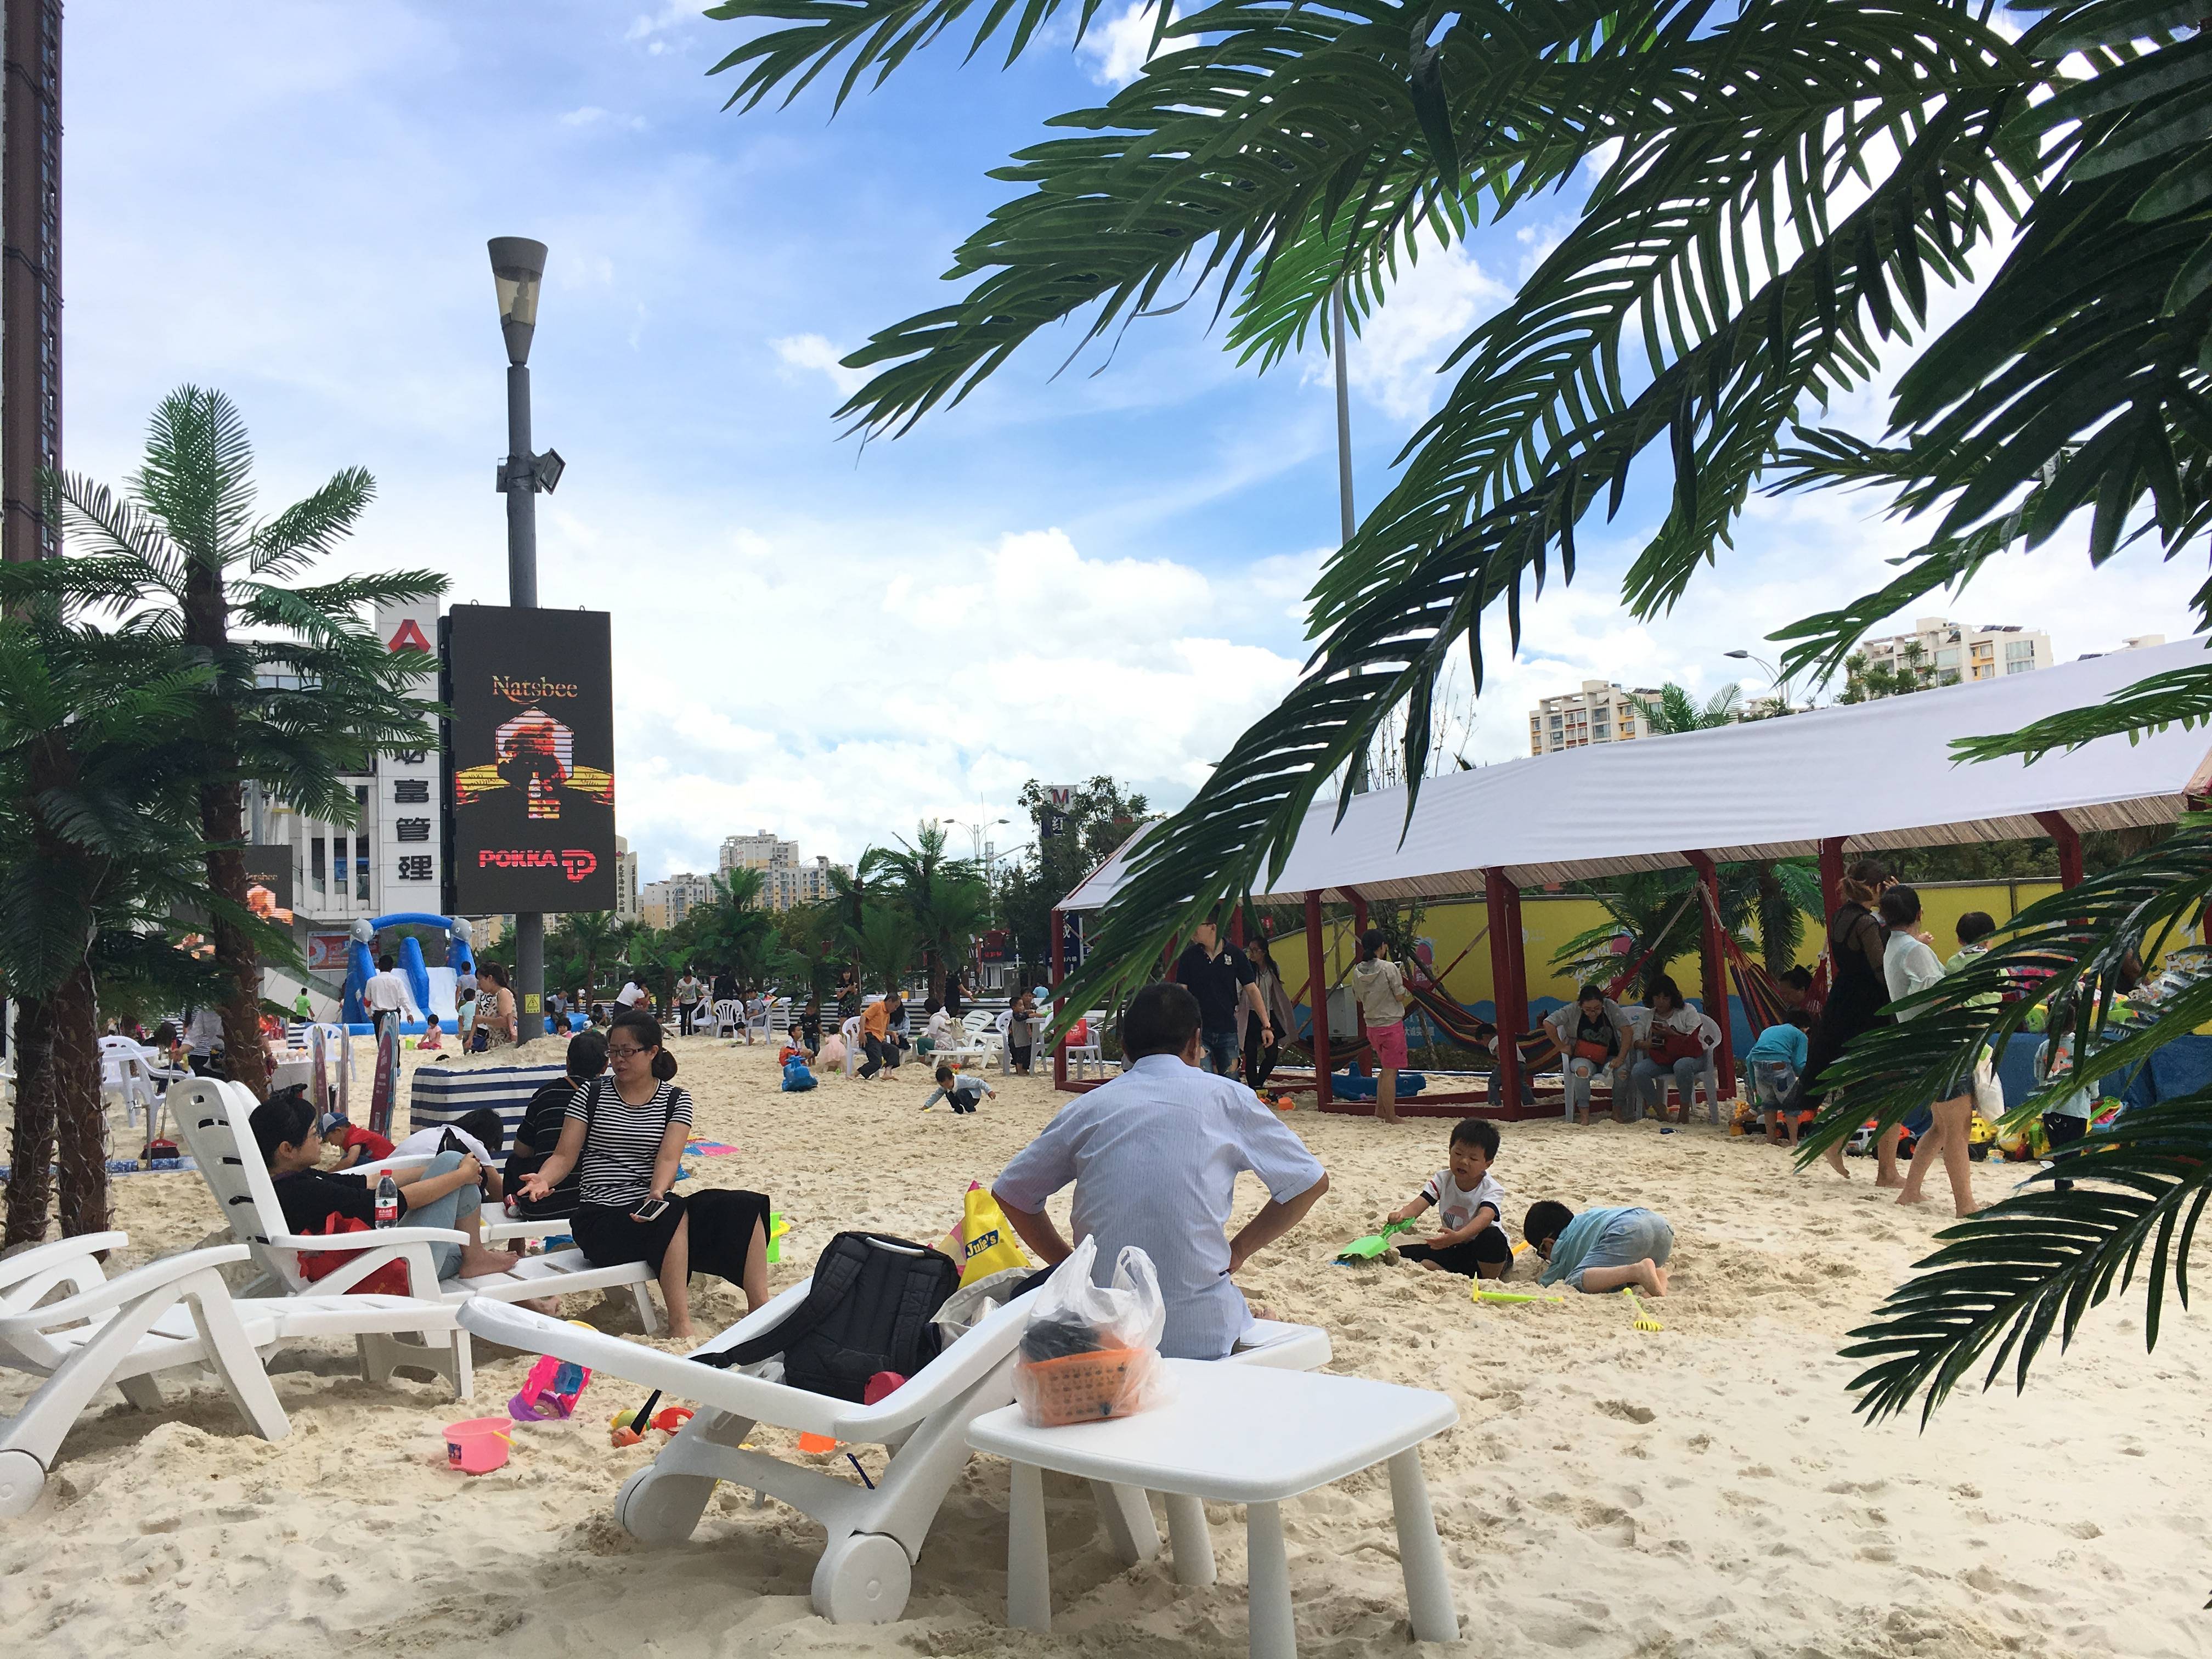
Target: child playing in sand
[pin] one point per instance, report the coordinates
(430, 1038)
(1469, 1202)
(1599, 1250)
(356, 1145)
(963, 1092)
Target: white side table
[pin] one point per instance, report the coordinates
(1235, 1434)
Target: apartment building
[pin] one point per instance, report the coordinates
(626, 902)
(1602, 711)
(665, 903)
(1952, 652)
(764, 850)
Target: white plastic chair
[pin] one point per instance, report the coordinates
(170, 1314)
(1082, 1056)
(212, 1117)
(850, 1033)
(729, 1017)
(875, 1534)
(759, 1018)
(779, 1017)
(120, 1074)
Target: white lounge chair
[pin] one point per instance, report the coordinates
(875, 1536)
(170, 1314)
(212, 1117)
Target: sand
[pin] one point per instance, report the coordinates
(1705, 1491)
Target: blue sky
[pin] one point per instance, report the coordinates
(1064, 576)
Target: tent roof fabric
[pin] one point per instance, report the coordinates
(1880, 772)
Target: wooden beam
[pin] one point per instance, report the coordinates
(2069, 841)
(1317, 973)
(1509, 979)
(1712, 968)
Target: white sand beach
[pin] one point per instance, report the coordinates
(1703, 1490)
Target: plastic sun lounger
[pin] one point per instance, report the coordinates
(212, 1115)
(173, 1313)
(874, 1536)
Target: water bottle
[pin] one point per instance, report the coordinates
(388, 1201)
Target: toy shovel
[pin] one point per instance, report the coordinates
(1367, 1248)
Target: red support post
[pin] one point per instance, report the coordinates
(1317, 990)
(1236, 927)
(1058, 965)
(1832, 875)
(1712, 966)
(2069, 841)
(1358, 928)
(1509, 982)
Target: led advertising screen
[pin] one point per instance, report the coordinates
(529, 760)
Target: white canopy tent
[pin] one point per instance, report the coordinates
(1880, 774)
(1837, 780)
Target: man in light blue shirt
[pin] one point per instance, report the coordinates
(1154, 1156)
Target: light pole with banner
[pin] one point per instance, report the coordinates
(517, 267)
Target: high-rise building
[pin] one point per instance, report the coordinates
(665, 903)
(762, 851)
(1602, 711)
(786, 885)
(1948, 653)
(625, 881)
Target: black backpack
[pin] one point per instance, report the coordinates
(868, 1309)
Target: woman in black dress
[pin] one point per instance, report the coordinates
(1858, 992)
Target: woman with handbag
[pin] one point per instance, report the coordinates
(1677, 1039)
(1594, 1034)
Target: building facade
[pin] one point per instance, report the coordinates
(626, 901)
(665, 903)
(1602, 711)
(762, 851)
(783, 885)
(1952, 652)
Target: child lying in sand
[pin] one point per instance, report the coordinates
(964, 1092)
(1601, 1249)
(1469, 1202)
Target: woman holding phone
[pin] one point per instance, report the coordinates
(628, 1130)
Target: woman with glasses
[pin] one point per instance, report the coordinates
(625, 1134)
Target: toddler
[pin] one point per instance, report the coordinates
(1599, 1250)
(1468, 1200)
(963, 1092)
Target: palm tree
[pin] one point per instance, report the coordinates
(1676, 712)
(945, 896)
(589, 937)
(96, 853)
(886, 945)
(725, 929)
(1777, 189)
(851, 896)
(298, 703)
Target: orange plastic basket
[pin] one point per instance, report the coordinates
(1085, 1387)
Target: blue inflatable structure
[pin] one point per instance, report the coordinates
(360, 964)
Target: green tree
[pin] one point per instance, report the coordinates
(301, 692)
(1864, 681)
(583, 940)
(97, 850)
(945, 898)
(1676, 711)
(886, 945)
(1778, 188)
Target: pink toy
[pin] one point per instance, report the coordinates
(551, 1391)
(478, 1445)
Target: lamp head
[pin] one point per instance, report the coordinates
(1740, 656)
(518, 265)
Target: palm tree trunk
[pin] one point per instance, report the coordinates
(80, 1115)
(222, 818)
(31, 1145)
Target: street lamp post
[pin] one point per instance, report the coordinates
(518, 266)
(1776, 679)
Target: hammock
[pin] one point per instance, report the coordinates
(1755, 986)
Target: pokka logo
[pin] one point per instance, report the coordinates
(576, 862)
(531, 690)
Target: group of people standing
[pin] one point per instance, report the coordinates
(1244, 1013)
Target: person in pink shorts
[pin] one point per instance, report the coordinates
(1381, 987)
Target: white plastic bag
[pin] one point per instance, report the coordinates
(1089, 1354)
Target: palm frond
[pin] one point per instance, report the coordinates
(310, 528)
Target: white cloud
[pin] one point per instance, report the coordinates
(854, 693)
(674, 14)
(811, 352)
(591, 115)
(1432, 306)
(1118, 46)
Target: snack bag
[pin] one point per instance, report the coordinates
(987, 1244)
(1089, 1354)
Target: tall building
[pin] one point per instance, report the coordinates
(1952, 652)
(1602, 711)
(665, 903)
(763, 851)
(625, 881)
(783, 885)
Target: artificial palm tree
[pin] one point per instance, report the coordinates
(301, 693)
(945, 896)
(589, 938)
(97, 850)
(1677, 711)
(1778, 187)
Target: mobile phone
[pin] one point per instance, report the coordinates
(650, 1210)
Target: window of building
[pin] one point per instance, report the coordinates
(361, 868)
(1947, 657)
(1947, 676)
(315, 863)
(2020, 650)
(1984, 647)
(2013, 666)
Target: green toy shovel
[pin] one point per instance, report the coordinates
(1367, 1248)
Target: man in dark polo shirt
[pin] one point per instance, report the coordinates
(1217, 974)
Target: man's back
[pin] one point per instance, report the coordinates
(1155, 1155)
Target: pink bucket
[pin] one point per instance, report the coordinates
(479, 1445)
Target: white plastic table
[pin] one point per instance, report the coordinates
(1235, 1434)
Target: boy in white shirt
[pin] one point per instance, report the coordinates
(1468, 1200)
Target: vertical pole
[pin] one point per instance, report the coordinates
(2069, 841)
(1831, 874)
(1059, 965)
(1317, 996)
(1358, 928)
(1712, 968)
(522, 592)
(1345, 519)
(30, 278)
(1509, 984)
